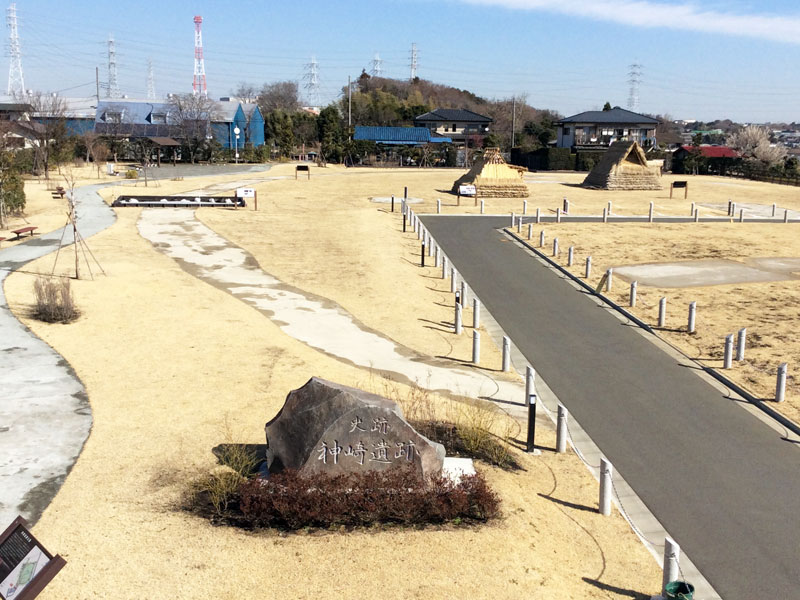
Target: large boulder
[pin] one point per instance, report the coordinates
(333, 428)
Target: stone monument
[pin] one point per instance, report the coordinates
(332, 428)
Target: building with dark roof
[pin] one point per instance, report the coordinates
(457, 123)
(598, 129)
(397, 136)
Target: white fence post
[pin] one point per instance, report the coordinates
(506, 354)
(662, 312)
(476, 312)
(727, 357)
(741, 340)
(632, 300)
(606, 473)
(780, 387)
(476, 347)
(561, 430)
(588, 267)
(570, 255)
(692, 317)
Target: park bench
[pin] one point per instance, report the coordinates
(19, 232)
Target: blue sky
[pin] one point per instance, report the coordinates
(735, 59)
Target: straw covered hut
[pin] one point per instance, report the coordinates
(493, 178)
(624, 167)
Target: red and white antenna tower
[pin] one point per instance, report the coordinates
(199, 83)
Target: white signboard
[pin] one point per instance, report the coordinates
(467, 190)
(245, 193)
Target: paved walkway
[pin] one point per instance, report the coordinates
(721, 481)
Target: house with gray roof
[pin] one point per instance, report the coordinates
(598, 129)
(458, 124)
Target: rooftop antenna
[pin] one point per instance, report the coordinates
(151, 81)
(199, 82)
(414, 61)
(113, 87)
(312, 82)
(16, 84)
(377, 65)
(634, 79)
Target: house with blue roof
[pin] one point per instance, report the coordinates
(134, 118)
(246, 116)
(398, 136)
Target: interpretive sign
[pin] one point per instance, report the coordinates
(245, 192)
(467, 190)
(331, 428)
(26, 567)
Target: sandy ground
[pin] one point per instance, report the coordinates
(167, 360)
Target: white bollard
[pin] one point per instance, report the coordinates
(524, 207)
(588, 266)
(541, 239)
(570, 255)
(513, 219)
(506, 354)
(606, 473)
(453, 280)
(650, 214)
(691, 211)
(530, 230)
(476, 312)
(692, 317)
(476, 347)
(519, 225)
(672, 557)
(431, 245)
(419, 230)
(437, 257)
(696, 215)
(444, 266)
(555, 246)
(726, 359)
(662, 312)
(561, 430)
(538, 216)
(609, 277)
(463, 292)
(609, 207)
(605, 215)
(483, 207)
(632, 300)
(733, 209)
(558, 215)
(457, 319)
(780, 388)
(741, 340)
(774, 208)
(438, 206)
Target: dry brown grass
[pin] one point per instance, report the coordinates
(53, 301)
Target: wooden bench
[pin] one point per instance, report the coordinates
(23, 230)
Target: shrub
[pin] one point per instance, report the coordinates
(293, 501)
(53, 301)
(131, 174)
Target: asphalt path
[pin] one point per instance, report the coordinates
(722, 482)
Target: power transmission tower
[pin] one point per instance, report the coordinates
(634, 79)
(414, 61)
(377, 66)
(151, 81)
(113, 86)
(312, 85)
(199, 81)
(16, 84)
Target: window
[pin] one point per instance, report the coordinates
(454, 127)
(566, 130)
(619, 132)
(159, 118)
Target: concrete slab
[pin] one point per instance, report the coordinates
(698, 273)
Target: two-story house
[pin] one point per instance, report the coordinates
(459, 124)
(600, 128)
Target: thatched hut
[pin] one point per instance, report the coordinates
(624, 167)
(493, 178)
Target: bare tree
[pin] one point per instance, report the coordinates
(753, 143)
(47, 126)
(246, 92)
(193, 115)
(281, 95)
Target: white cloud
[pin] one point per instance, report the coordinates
(645, 13)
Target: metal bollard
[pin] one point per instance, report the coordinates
(519, 225)
(726, 359)
(431, 246)
(513, 219)
(609, 207)
(786, 216)
(662, 312)
(437, 257)
(561, 430)
(672, 557)
(741, 215)
(541, 239)
(696, 215)
(555, 246)
(457, 318)
(538, 216)
(476, 312)
(463, 291)
(741, 340)
(605, 215)
(566, 206)
(606, 473)
(691, 210)
(588, 266)
(632, 300)
(530, 400)
(780, 387)
(730, 207)
(650, 214)
(524, 207)
(558, 215)
(422, 255)
(692, 317)
(444, 266)
(609, 278)
(570, 256)
(438, 206)
(392, 202)
(483, 206)
(476, 347)
(453, 280)
(774, 208)
(506, 354)
(733, 209)
(530, 230)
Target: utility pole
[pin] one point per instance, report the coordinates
(513, 119)
(349, 102)
(97, 81)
